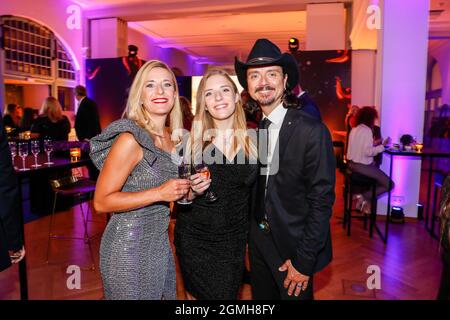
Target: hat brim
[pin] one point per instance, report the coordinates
(286, 61)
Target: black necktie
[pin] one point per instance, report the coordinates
(263, 146)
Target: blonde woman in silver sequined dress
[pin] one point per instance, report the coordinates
(137, 181)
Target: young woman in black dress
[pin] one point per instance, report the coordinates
(211, 238)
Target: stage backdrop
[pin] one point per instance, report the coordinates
(108, 82)
(326, 76)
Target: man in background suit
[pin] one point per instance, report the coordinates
(11, 238)
(307, 104)
(289, 236)
(87, 122)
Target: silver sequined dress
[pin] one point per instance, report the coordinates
(136, 260)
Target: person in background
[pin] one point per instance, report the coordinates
(188, 117)
(137, 181)
(11, 237)
(13, 116)
(306, 103)
(361, 152)
(29, 116)
(87, 121)
(350, 122)
(51, 123)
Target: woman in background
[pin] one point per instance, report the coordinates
(51, 122)
(211, 239)
(137, 182)
(188, 117)
(361, 152)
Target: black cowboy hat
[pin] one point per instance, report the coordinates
(266, 53)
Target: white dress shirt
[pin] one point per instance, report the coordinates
(276, 118)
(360, 145)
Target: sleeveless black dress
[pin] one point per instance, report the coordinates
(210, 238)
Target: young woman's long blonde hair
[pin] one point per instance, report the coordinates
(203, 123)
(52, 109)
(137, 112)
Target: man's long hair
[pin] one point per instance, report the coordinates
(290, 100)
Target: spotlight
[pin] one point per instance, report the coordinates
(397, 215)
(293, 45)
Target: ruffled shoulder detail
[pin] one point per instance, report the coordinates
(102, 143)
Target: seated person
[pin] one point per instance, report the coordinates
(13, 116)
(361, 152)
(51, 122)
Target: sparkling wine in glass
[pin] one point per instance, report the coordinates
(184, 172)
(35, 150)
(48, 148)
(204, 171)
(23, 153)
(13, 150)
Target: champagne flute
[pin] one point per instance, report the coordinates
(35, 150)
(204, 171)
(184, 172)
(13, 150)
(23, 153)
(48, 148)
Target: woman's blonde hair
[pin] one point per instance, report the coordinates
(52, 109)
(203, 125)
(137, 112)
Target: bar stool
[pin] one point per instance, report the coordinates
(357, 183)
(77, 187)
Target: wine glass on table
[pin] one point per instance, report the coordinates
(48, 148)
(13, 150)
(184, 172)
(35, 150)
(201, 168)
(23, 153)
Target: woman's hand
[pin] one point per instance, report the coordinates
(173, 189)
(199, 184)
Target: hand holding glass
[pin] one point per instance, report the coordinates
(184, 172)
(204, 171)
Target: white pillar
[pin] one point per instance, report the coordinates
(363, 38)
(325, 26)
(401, 89)
(108, 38)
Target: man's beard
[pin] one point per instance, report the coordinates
(268, 100)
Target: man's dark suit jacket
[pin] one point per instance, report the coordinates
(300, 196)
(309, 106)
(87, 121)
(10, 230)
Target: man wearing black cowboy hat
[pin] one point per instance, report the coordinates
(290, 236)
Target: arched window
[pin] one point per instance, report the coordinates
(33, 50)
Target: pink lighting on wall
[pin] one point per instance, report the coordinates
(403, 77)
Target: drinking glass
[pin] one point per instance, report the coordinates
(23, 153)
(13, 150)
(48, 148)
(184, 172)
(204, 171)
(35, 150)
